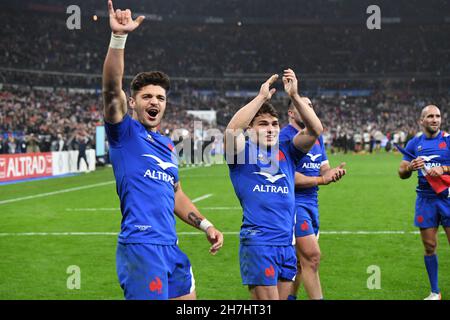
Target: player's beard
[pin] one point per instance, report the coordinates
(432, 131)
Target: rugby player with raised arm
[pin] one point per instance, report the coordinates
(150, 264)
(262, 172)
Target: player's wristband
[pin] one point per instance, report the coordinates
(205, 224)
(118, 41)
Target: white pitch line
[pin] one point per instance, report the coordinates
(40, 195)
(118, 209)
(87, 233)
(368, 232)
(199, 233)
(206, 196)
(220, 208)
(93, 209)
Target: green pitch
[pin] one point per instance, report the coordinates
(370, 198)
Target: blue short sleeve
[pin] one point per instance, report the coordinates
(410, 147)
(118, 132)
(295, 154)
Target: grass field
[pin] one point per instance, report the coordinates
(370, 198)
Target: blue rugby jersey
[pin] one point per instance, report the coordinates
(435, 152)
(264, 185)
(309, 165)
(146, 171)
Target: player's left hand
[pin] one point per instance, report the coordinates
(335, 174)
(339, 172)
(215, 237)
(290, 82)
(435, 171)
(121, 21)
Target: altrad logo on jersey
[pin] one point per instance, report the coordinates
(429, 158)
(312, 165)
(159, 175)
(163, 165)
(272, 179)
(313, 157)
(428, 164)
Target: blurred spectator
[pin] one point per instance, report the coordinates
(82, 143)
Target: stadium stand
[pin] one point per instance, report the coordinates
(360, 80)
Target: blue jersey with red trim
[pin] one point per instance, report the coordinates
(309, 165)
(146, 171)
(435, 152)
(263, 181)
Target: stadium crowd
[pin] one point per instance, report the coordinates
(257, 8)
(220, 58)
(47, 120)
(225, 49)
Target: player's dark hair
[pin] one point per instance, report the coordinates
(143, 79)
(290, 105)
(266, 108)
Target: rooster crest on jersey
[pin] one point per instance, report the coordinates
(156, 285)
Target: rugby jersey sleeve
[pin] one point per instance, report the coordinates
(411, 148)
(118, 132)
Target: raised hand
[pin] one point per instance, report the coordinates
(290, 82)
(121, 21)
(266, 92)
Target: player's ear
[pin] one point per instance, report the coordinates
(131, 102)
(290, 114)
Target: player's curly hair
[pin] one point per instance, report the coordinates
(143, 79)
(266, 108)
